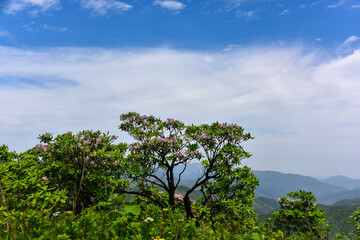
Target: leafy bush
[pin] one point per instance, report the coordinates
(85, 164)
(300, 215)
(355, 222)
(27, 196)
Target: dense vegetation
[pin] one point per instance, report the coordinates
(84, 186)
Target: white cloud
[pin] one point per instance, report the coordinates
(355, 6)
(284, 12)
(351, 40)
(301, 108)
(249, 15)
(170, 5)
(36, 6)
(103, 7)
(336, 5)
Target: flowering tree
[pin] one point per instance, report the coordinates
(163, 146)
(85, 164)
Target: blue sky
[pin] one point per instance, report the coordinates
(287, 71)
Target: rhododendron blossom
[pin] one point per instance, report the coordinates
(179, 196)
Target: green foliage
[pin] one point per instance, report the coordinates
(338, 216)
(5, 155)
(299, 214)
(229, 198)
(355, 222)
(28, 200)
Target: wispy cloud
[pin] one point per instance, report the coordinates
(34, 6)
(235, 3)
(314, 3)
(103, 7)
(7, 35)
(248, 15)
(33, 26)
(355, 6)
(351, 40)
(302, 109)
(284, 12)
(54, 28)
(170, 5)
(245, 9)
(338, 4)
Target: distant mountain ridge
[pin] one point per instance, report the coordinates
(341, 181)
(276, 184)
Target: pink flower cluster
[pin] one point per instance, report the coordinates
(42, 146)
(144, 117)
(179, 196)
(179, 154)
(44, 178)
(171, 120)
(166, 139)
(224, 125)
(134, 147)
(146, 141)
(205, 136)
(135, 117)
(195, 154)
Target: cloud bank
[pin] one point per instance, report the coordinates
(302, 108)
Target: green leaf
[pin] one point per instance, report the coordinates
(256, 236)
(131, 208)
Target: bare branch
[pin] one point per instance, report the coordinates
(177, 184)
